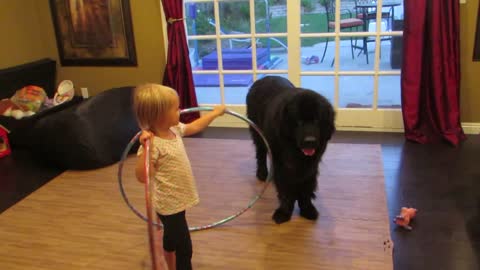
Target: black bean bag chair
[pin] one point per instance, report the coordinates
(90, 135)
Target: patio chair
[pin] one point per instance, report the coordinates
(370, 14)
(345, 23)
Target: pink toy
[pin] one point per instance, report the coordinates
(311, 60)
(406, 214)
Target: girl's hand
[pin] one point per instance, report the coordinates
(219, 110)
(146, 135)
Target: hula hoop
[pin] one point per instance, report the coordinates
(147, 184)
(148, 200)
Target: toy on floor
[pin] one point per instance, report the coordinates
(406, 215)
(310, 59)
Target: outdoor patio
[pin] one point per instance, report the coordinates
(355, 91)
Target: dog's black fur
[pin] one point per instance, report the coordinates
(292, 119)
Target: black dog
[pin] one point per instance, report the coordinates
(297, 123)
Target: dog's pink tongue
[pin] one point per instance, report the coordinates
(308, 151)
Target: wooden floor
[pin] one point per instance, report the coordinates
(443, 182)
(79, 220)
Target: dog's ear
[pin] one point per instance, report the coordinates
(277, 125)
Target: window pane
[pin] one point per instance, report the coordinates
(392, 14)
(312, 52)
(356, 91)
(237, 86)
(271, 18)
(366, 10)
(391, 53)
(314, 18)
(276, 52)
(200, 19)
(357, 53)
(201, 52)
(237, 55)
(234, 17)
(350, 20)
(389, 95)
(207, 88)
(324, 85)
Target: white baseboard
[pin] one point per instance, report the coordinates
(468, 128)
(233, 122)
(370, 129)
(471, 128)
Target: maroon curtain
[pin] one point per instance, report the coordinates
(178, 72)
(431, 71)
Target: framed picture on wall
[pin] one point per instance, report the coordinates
(476, 49)
(94, 32)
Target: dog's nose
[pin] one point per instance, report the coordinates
(310, 139)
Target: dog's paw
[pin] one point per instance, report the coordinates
(280, 216)
(262, 174)
(309, 212)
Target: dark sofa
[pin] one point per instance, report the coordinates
(80, 134)
(41, 73)
(89, 135)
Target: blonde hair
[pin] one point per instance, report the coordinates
(151, 102)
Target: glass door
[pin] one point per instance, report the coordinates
(347, 50)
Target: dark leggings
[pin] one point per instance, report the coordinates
(176, 237)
